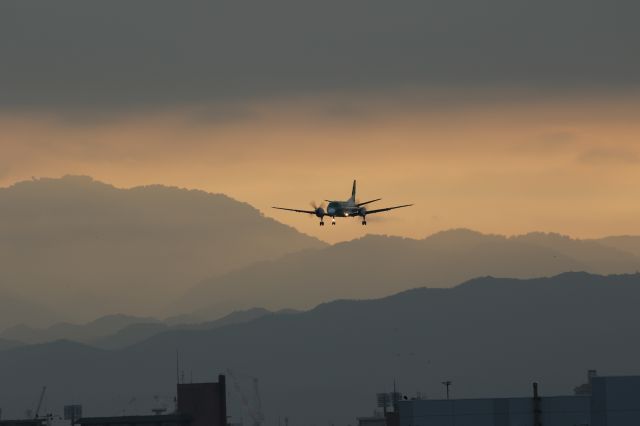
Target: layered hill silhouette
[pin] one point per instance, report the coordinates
(84, 333)
(376, 266)
(139, 332)
(489, 336)
(118, 331)
(9, 344)
(90, 249)
(73, 249)
(15, 309)
(628, 243)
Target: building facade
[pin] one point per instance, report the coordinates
(613, 401)
(198, 404)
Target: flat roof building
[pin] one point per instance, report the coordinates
(151, 420)
(23, 422)
(198, 404)
(613, 401)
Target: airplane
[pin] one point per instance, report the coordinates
(349, 208)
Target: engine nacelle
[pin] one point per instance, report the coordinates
(320, 212)
(362, 211)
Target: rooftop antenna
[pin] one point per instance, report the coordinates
(177, 367)
(395, 398)
(447, 384)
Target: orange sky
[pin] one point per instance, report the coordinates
(521, 163)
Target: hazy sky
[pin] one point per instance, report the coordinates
(503, 116)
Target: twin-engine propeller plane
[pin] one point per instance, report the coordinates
(349, 208)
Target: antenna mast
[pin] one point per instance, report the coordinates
(177, 367)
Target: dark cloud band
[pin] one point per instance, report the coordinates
(157, 52)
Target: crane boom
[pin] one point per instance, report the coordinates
(44, 389)
(256, 392)
(254, 412)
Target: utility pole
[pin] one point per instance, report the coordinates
(447, 384)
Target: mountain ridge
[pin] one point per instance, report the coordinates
(483, 338)
(376, 265)
(89, 248)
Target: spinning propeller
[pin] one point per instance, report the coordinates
(318, 209)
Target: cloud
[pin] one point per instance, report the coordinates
(153, 53)
(4, 170)
(557, 139)
(548, 143)
(599, 157)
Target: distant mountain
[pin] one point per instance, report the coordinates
(235, 317)
(18, 309)
(129, 335)
(599, 256)
(627, 243)
(137, 332)
(489, 336)
(376, 266)
(88, 248)
(9, 344)
(83, 333)
(204, 318)
(118, 331)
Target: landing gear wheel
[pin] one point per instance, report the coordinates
(364, 222)
(333, 223)
(321, 223)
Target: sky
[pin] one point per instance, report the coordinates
(501, 116)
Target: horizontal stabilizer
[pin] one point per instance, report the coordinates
(368, 202)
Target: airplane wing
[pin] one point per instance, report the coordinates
(387, 209)
(295, 210)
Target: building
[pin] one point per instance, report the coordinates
(372, 421)
(198, 404)
(548, 411)
(613, 401)
(27, 422)
(206, 403)
(151, 420)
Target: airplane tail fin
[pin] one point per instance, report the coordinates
(353, 191)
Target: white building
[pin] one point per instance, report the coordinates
(614, 401)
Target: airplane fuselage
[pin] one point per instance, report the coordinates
(344, 209)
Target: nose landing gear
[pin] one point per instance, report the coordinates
(333, 220)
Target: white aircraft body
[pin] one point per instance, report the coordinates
(348, 208)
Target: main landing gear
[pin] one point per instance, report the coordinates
(364, 222)
(322, 223)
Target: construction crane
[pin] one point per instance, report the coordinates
(255, 410)
(256, 393)
(44, 389)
